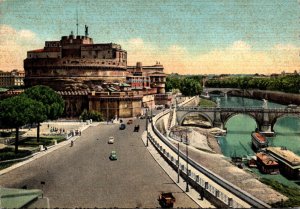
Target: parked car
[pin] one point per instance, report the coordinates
(142, 117)
(136, 128)
(166, 200)
(122, 126)
(160, 107)
(111, 140)
(129, 122)
(113, 155)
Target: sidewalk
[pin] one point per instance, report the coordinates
(49, 150)
(193, 194)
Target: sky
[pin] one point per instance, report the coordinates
(186, 36)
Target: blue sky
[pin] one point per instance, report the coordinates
(171, 30)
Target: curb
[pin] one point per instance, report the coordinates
(44, 152)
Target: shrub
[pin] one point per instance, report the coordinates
(5, 134)
(8, 153)
(291, 192)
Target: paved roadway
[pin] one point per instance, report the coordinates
(83, 175)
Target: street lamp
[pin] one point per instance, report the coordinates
(107, 110)
(147, 126)
(187, 161)
(178, 163)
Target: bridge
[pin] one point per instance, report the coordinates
(265, 117)
(225, 91)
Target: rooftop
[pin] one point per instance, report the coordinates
(266, 159)
(259, 137)
(17, 198)
(37, 50)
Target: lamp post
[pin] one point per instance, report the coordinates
(147, 127)
(178, 163)
(107, 110)
(187, 163)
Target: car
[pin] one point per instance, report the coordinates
(122, 126)
(136, 128)
(160, 107)
(113, 155)
(111, 140)
(142, 117)
(129, 122)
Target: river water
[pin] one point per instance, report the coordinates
(237, 142)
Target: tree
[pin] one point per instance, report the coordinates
(52, 102)
(16, 112)
(94, 115)
(190, 87)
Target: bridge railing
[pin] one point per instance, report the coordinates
(239, 109)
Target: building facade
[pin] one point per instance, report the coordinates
(13, 78)
(95, 77)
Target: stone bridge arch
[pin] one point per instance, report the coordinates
(275, 118)
(217, 91)
(225, 118)
(234, 90)
(191, 113)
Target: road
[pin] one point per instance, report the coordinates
(83, 175)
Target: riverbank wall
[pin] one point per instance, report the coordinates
(274, 96)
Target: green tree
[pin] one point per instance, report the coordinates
(16, 112)
(94, 115)
(173, 82)
(190, 87)
(52, 102)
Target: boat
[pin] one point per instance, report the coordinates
(259, 141)
(267, 164)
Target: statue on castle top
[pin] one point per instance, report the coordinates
(86, 30)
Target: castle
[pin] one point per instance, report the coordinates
(96, 77)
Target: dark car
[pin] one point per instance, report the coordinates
(113, 155)
(136, 128)
(122, 126)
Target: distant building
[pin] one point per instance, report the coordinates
(96, 77)
(13, 78)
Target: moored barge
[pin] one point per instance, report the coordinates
(289, 162)
(259, 141)
(266, 163)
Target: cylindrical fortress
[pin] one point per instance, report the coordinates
(75, 64)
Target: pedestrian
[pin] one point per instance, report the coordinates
(72, 142)
(202, 193)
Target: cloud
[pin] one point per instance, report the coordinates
(14, 45)
(239, 57)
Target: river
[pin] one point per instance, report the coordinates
(237, 142)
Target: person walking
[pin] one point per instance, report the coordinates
(72, 142)
(202, 193)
